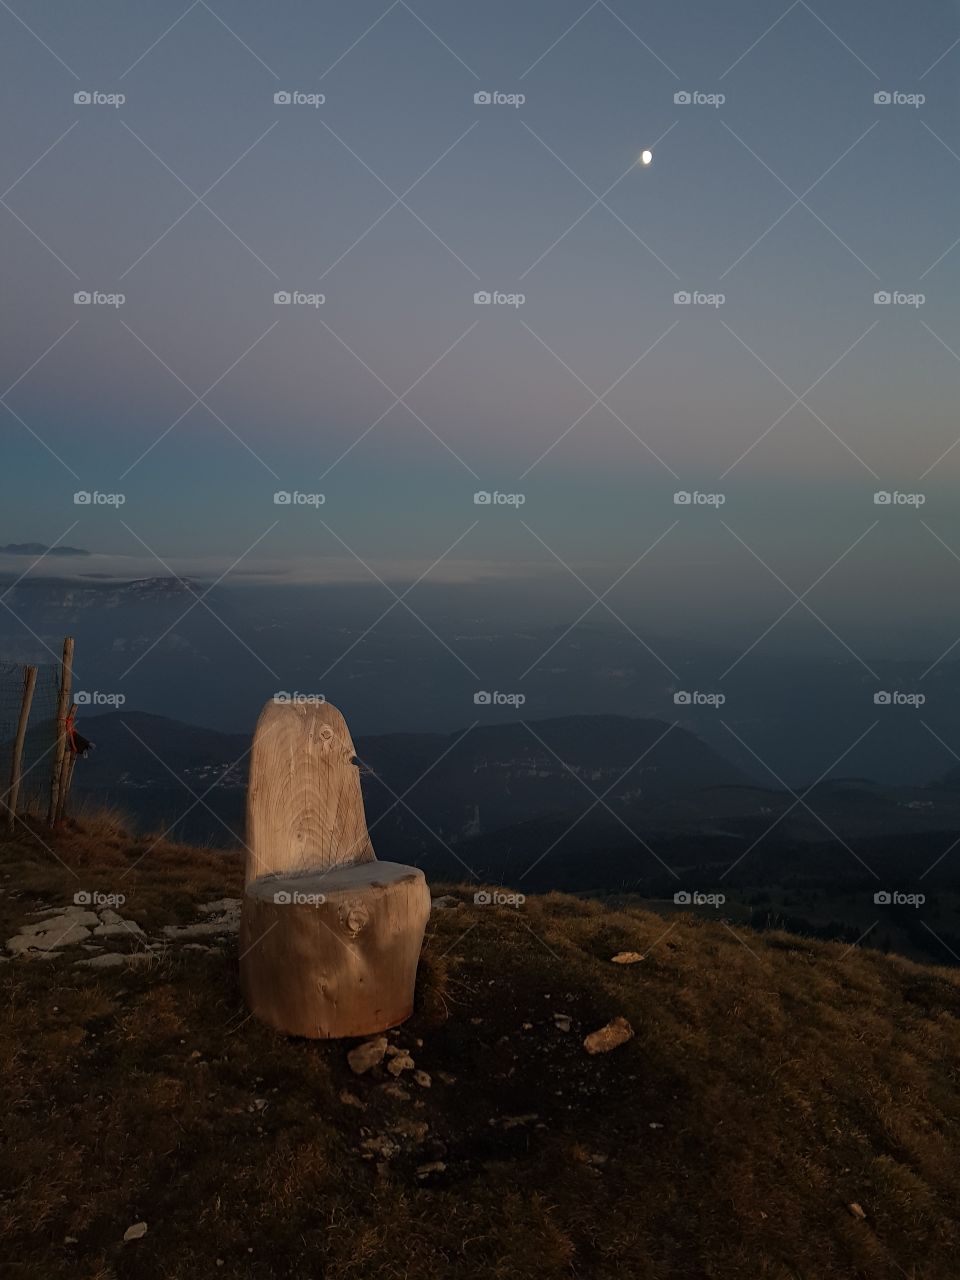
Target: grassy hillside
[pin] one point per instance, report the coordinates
(772, 1083)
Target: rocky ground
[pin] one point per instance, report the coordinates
(108, 940)
(579, 1093)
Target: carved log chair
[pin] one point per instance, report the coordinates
(330, 937)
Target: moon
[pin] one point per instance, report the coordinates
(646, 157)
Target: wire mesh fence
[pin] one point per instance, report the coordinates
(40, 739)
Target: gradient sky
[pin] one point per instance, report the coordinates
(99, 198)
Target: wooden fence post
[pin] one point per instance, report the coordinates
(29, 683)
(63, 702)
(66, 773)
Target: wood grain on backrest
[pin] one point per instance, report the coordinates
(304, 806)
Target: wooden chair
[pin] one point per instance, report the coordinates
(329, 937)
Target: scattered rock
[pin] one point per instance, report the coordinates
(400, 1062)
(655, 1125)
(562, 1021)
(117, 930)
(381, 1146)
(109, 916)
(617, 1032)
(351, 1100)
(627, 957)
(47, 936)
(446, 1077)
(75, 915)
(222, 905)
(422, 1079)
(229, 924)
(857, 1211)
(395, 1091)
(136, 1232)
(435, 1166)
(367, 1055)
(227, 911)
(111, 960)
(445, 903)
(415, 1129)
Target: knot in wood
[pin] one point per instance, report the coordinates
(354, 916)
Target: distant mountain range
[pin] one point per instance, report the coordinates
(40, 549)
(481, 779)
(577, 802)
(779, 719)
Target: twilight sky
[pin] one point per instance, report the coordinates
(797, 198)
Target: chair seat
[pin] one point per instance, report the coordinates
(336, 883)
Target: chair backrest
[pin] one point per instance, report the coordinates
(304, 805)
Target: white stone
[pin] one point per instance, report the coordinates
(71, 915)
(116, 930)
(112, 960)
(63, 934)
(230, 924)
(367, 1055)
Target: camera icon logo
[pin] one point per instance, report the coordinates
(882, 898)
(682, 698)
(881, 298)
(282, 498)
(282, 98)
(882, 698)
(682, 898)
(681, 299)
(482, 498)
(82, 698)
(882, 498)
(82, 898)
(82, 498)
(681, 498)
(482, 699)
(482, 99)
(282, 898)
(281, 298)
(82, 298)
(482, 898)
(82, 98)
(882, 98)
(482, 298)
(682, 98)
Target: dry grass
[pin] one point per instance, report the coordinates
(102, 820)
(772, 1082)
